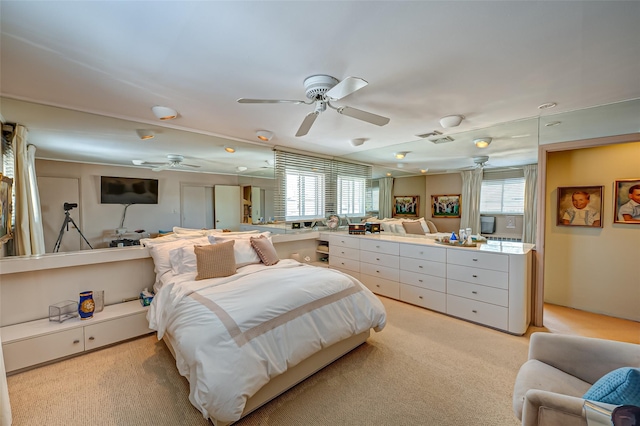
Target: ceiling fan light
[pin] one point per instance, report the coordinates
(482, 142)
(241, 168)
(229, 149)
(164, 113)
(400, 155)
(145, 134)
(451, 121)
(264, 135)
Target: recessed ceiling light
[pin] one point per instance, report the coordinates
(264, 135)
(482, 142)
(424, 170)
(552, 123)
(164, 113)
(145, 134)
(388, 174)
(547, 105)
(229, 149)
(357, 141)
(400, 155)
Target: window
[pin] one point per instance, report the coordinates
(304, 195)
(504, 196)
(315, 187)
(351, 196)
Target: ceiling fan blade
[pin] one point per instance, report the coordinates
(160, 168)
(145, 163)
(187, 165)
(307, 123)
(369, 117)
(269, 101)
(346, 87)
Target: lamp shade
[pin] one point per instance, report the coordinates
(145, 134)
(164, 113)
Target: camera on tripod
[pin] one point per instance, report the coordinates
(69, 206)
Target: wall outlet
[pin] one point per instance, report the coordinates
(511, 222)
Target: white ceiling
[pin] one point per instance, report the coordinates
(492, 62)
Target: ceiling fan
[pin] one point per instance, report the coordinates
(322, 90)
(174, 161)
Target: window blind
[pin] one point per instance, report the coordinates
(502, 196)
(309, 187)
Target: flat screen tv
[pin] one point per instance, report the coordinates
(121, 190)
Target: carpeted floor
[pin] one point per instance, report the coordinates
(424, 368)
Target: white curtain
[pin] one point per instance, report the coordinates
(386, 198)
(470, 199)
(29, 237)
(530, 203)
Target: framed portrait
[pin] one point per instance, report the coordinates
(5, 209)
(445, 206)
(406, 205)
(580, 206)
(627, 201)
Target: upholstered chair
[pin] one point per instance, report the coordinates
(549, 387)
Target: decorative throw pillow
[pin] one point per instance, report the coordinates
(432, 227)
(215, 260)
(265, 249)
(413, 228)
(619, 387)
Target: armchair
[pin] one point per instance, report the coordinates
(549, 387)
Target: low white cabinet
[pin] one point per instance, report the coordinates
(490, 284)
(35, 342)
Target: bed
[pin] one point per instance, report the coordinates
(244, 338)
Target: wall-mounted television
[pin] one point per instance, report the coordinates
(121, 190)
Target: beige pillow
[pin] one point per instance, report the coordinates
(413, 228)
(215, 261)
(265, 249)
(432, 227)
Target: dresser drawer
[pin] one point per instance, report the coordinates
(436, 254)
(378, 246)
(388, 260)
(478, 276)
(423, 297)
(36, 350)
(346, 252)
(108, 332)
(480, 312)
(343, 241)
(496, 296)
(381, 286)
(344, 263)
(423, 266)
(425, 281)
(476, 259)
(379, 271)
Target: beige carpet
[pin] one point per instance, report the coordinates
(424, 368)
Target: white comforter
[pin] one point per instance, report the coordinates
(233, 334)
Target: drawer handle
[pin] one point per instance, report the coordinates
(475, 260)
(92, 338)
(474, 292)
(474, 276)
(377, 246)
(420, 297)
(76, 341)
(420, 266)
(377, 258)
(419, 281)
(342, 252)
(378, 285)
(474, 311)
(342, 263)
(377, 272)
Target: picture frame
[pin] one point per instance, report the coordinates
(580, 206)
(6, 208)
(406, 205)
(446, 206)
(626, 207)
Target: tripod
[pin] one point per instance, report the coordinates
(65, 225)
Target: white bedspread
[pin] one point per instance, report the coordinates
(233, 334)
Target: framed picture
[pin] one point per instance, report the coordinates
(5, 209)
(627, 201)
(406, 206)
(445, 206)
(580, 206)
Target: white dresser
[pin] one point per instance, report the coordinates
(489, 284)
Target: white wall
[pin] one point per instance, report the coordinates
(592, 269)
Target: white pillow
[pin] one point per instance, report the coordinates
(399, 229)
(242, 249)
(238, 235)
(160, 252)
(183, 260)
